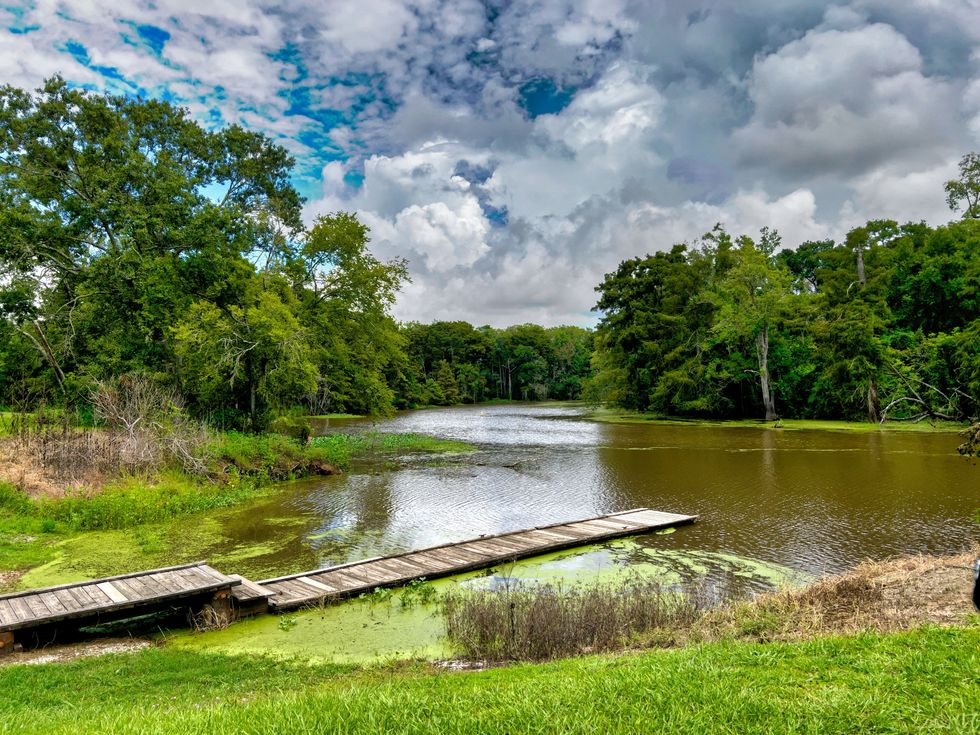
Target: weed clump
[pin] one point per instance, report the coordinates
(535, 623)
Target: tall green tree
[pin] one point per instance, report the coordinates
(111, 225)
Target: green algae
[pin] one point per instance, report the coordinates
(105, 553)
(372, 629)
(355, 631)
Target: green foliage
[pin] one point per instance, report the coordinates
(454, 362)
(343, 447)
(418, 592)
(965, 191)
(119, 257)
(885, 325)
(134, 501)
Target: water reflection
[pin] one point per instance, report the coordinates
(811, 501)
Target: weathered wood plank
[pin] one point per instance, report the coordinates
(127, 589)
(317, 584)
(68, 600)
(38, 609)
(21, 609)
(99, 598)
(7, 614)
(111, 592)
(54, 605)
(249, 590)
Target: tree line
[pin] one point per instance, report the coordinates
(882, 325)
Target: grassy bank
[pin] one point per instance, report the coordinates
(621, 416)
(242, 469)
(345, 447)
(921, 681)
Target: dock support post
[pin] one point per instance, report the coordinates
(6, 643)
(221, 604)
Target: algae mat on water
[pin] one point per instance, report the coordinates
(381, 627)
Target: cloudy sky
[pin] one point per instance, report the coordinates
(515, 152)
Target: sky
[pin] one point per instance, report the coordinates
(515, 152)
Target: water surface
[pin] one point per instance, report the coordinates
(772, 503)
(812, 501)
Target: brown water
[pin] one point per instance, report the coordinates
(810, 501)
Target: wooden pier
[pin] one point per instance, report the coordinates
(37, 614)
(298, 590)
(43, 611)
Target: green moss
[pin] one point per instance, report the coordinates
(368, 443)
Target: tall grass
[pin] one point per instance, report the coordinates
(535, 623)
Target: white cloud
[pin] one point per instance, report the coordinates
(842, 101)
(809, 120)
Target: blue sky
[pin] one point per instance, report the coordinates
(515, 151)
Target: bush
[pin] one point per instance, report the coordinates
(543, 622)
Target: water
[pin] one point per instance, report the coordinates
(773, 504)
(809, 501)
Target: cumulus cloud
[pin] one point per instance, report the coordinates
(515, 152)
(841, 101)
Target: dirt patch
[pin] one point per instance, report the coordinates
(8, 580)
(20, 469)
(70, 652)
(891, 595)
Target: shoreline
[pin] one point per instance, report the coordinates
(623, 416)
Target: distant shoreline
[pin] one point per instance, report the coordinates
(623, 416)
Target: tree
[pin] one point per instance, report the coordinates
(346, 295)
(112, 228)
(752, 297)
(965, 191)
(255, 357)
(446, 381)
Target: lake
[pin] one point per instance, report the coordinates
(771, 502)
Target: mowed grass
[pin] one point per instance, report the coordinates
(923, 681)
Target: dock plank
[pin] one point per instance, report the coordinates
(307, 588)
(92, 599)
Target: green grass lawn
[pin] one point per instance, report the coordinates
(923, 681)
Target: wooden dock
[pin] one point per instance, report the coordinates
(102, 600)
(345, 580)
(34, 617)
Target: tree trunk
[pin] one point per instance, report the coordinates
(862, 282)
(762, 352)
(42, 344)
(874, 406)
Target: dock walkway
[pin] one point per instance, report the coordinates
(101, 600)
(35, 617)
(308, 588)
